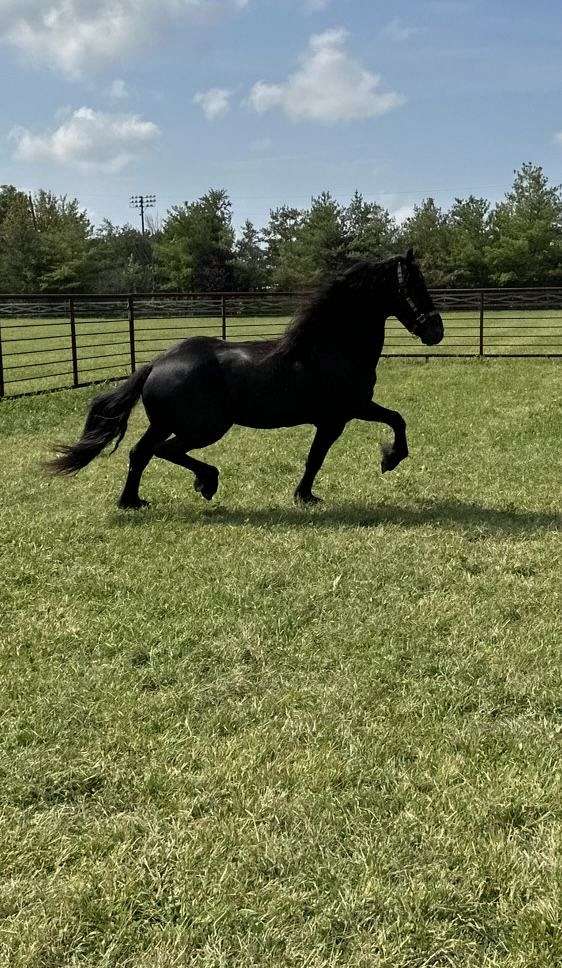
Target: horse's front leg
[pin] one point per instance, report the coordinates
(326, 435)
(394, 453)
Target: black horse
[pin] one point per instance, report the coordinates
(322, 371)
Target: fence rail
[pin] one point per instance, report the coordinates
(50, 342)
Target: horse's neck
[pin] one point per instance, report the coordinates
(362, 332)
(350, 326)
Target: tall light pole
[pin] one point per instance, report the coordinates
(142, 202)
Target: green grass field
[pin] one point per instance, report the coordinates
(244, 734)
(37, 352)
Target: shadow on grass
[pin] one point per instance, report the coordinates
(447, 514)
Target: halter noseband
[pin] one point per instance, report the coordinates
(420, 318)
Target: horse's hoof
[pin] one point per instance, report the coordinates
(389, 462)
(391, 459)
(207, 486)
(138, 505)
(307, 499)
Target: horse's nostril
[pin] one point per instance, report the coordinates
(435, 337)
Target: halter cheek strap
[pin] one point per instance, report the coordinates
(421, 318)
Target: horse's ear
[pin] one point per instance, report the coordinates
(410, 256)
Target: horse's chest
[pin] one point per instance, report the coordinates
(346, 382)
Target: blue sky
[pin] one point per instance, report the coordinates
(276, 101)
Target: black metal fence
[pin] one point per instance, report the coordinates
(52, 342)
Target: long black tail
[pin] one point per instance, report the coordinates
(106, 421)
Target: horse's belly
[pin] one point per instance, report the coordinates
(265, 400)
(272, 415)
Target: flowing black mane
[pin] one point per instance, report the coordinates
(320, 314)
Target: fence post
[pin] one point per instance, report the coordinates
(223, 309)
(73, 345)
(132, 333)
(1, 366)
(481, 328)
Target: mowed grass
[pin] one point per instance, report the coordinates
(38, 352)
(248, 734)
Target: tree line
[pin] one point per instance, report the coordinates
(48, 243)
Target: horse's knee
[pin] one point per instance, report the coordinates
(135, 456)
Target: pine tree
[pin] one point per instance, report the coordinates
(251, 264)
(428, 231)
(526, 248)
(470, 231)
(280, 237)
(371, 229)
(322, 243)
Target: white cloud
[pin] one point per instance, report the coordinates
(330, 85)
(558, 137)
(77, 35)
(399, 31)
(87, 140)
(119, 90)
(215, 102)
(264, 96)
(403, 213)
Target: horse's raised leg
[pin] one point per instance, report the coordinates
(326, 435)
(206, 476)
(139, 457)
(392, 454)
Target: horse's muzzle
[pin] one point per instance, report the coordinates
(435, 331)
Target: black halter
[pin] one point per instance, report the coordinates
(420, 318)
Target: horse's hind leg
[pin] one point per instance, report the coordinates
(139, 458)
(206, 476)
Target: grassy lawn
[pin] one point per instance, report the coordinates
(37, 352)
(243, 735)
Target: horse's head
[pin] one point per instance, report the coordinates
(412, 303)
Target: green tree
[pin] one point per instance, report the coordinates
(371, 229)
(428, 231)
(124, 259)
(526, 248)
(470, 239)
(306, 247)
(322, 244)
(9, 195)
(50, 244)
(21, 250)
(65, 233)
(251, 259)
(280, 237)
(196, 249)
